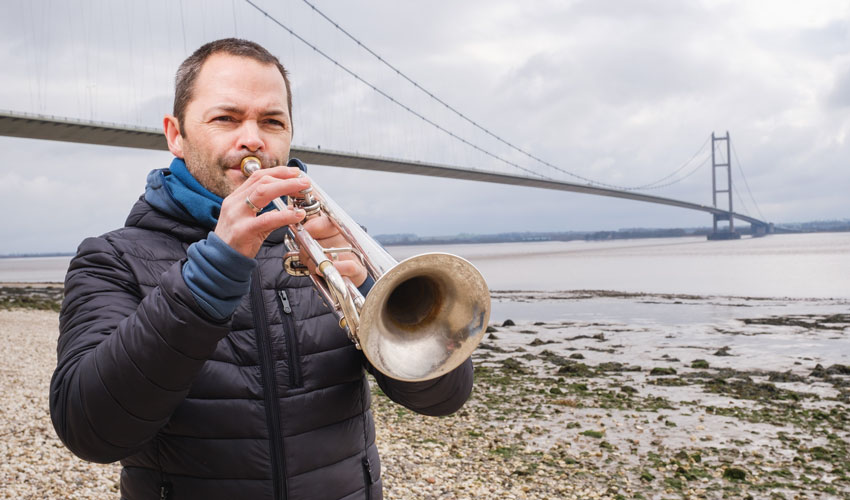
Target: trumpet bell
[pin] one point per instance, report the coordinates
(424, 317)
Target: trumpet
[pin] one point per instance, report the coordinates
(422, 318)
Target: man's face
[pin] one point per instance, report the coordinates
(238, 109)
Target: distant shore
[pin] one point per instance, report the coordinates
(620, 234)
(566, 409)
(833, 226)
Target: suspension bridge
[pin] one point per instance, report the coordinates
(58, 128)
(32, 126)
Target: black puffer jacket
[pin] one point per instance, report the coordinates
(271, 403)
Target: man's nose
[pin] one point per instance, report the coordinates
(249, 136)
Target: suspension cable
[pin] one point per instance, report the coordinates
(389, 97)
(475, 124)
(680, 179)
(652, 185)
(747, 184)
(655, 185)
(746, 209)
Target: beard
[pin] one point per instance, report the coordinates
(212, 171)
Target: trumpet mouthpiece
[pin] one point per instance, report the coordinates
(249, 165)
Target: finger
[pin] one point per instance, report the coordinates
(321, 228)
(325, 232)
(281, 172)
(352, 269)
(267, 222)
(264, 175)
(346, 263)
(269, 188)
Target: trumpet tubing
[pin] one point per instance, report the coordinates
(422, 318)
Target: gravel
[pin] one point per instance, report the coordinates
(35, 463)
(544, 423)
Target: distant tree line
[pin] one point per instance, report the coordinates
(515, 237)
(620, 234)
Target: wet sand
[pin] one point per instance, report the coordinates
(754, 405)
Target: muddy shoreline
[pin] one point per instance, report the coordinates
(752, 407)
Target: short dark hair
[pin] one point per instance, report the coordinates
(188, 71)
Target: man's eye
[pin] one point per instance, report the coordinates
(275, 123)
(223, 119)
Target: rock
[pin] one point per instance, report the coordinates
(554, 358)
(839, 369)
(490, 347)
(785, 377)
(515, 366)
(575, 370)
(577, 355)
(735, 474)
(699, 363)
(723, 351)
(508, 322)
(593, 434)
(819, 371)
(747, 389)
(660, 371)
(613, 366)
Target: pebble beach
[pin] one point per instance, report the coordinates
(751, 407)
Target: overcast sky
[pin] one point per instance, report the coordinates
(621, 92)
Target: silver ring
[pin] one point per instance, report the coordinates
(253, 207)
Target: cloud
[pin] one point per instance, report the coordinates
(622, 92)
(840, 95)
(70, 192)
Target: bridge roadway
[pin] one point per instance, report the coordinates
(33, 126)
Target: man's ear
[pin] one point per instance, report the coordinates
(172, 134)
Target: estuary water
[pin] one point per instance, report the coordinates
(792, 270)
(786, 265)
(710, 281)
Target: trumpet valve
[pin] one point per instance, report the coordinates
(306, 201)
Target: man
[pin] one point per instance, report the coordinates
(187, 353)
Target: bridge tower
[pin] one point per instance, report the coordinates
(723, 188)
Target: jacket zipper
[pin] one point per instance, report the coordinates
(367, 473)
(291, 340)
(261, 328)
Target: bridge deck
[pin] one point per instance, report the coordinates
(33, 126)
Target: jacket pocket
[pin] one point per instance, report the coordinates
(293, 356)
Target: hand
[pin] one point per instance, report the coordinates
(326, 234)
(240, 226)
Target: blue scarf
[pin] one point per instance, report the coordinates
(187, 192)
(175, 191)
